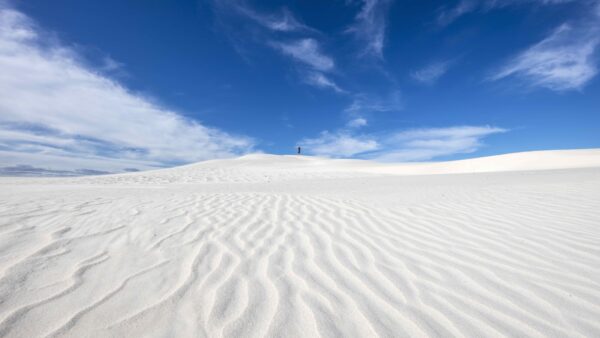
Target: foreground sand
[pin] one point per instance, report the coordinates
(287, 246)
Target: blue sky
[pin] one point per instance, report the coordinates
(122, 85)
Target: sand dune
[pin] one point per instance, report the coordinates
(292, 246)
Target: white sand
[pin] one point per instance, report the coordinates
(287, 246)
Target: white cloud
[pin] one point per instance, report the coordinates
(448, 15)
(357, 122)
(56, 108)
(565, 60)
(111, 65)
(426, 144)
(283, 22)
(286, 23)
(364, 104)
(320, 80)
(370, 26)
(305, 51)
(339, 144)
(400, 146)
(446, 133)
(431, 73)
(308, 52)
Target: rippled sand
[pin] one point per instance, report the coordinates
(303, 247)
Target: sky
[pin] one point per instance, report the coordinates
(92, 87)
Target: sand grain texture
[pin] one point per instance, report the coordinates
(286, 246)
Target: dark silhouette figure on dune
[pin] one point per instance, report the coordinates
(299, 150)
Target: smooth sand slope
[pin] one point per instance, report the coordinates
(287, 246)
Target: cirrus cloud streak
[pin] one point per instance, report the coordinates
(400, 146)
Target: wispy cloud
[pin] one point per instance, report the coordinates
(431, 73)
(320, 80)
(429, 143)
(370, 26)
(57, 112)
(284, 21)
(365, 104)
(357, 122)
(308, 52)
(347, 141)
(339, 144)
(447, 15)
(565, 60)
(304, 51)
(405, 145)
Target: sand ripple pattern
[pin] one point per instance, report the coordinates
(168, 264)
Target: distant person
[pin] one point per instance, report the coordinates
(299, 150)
